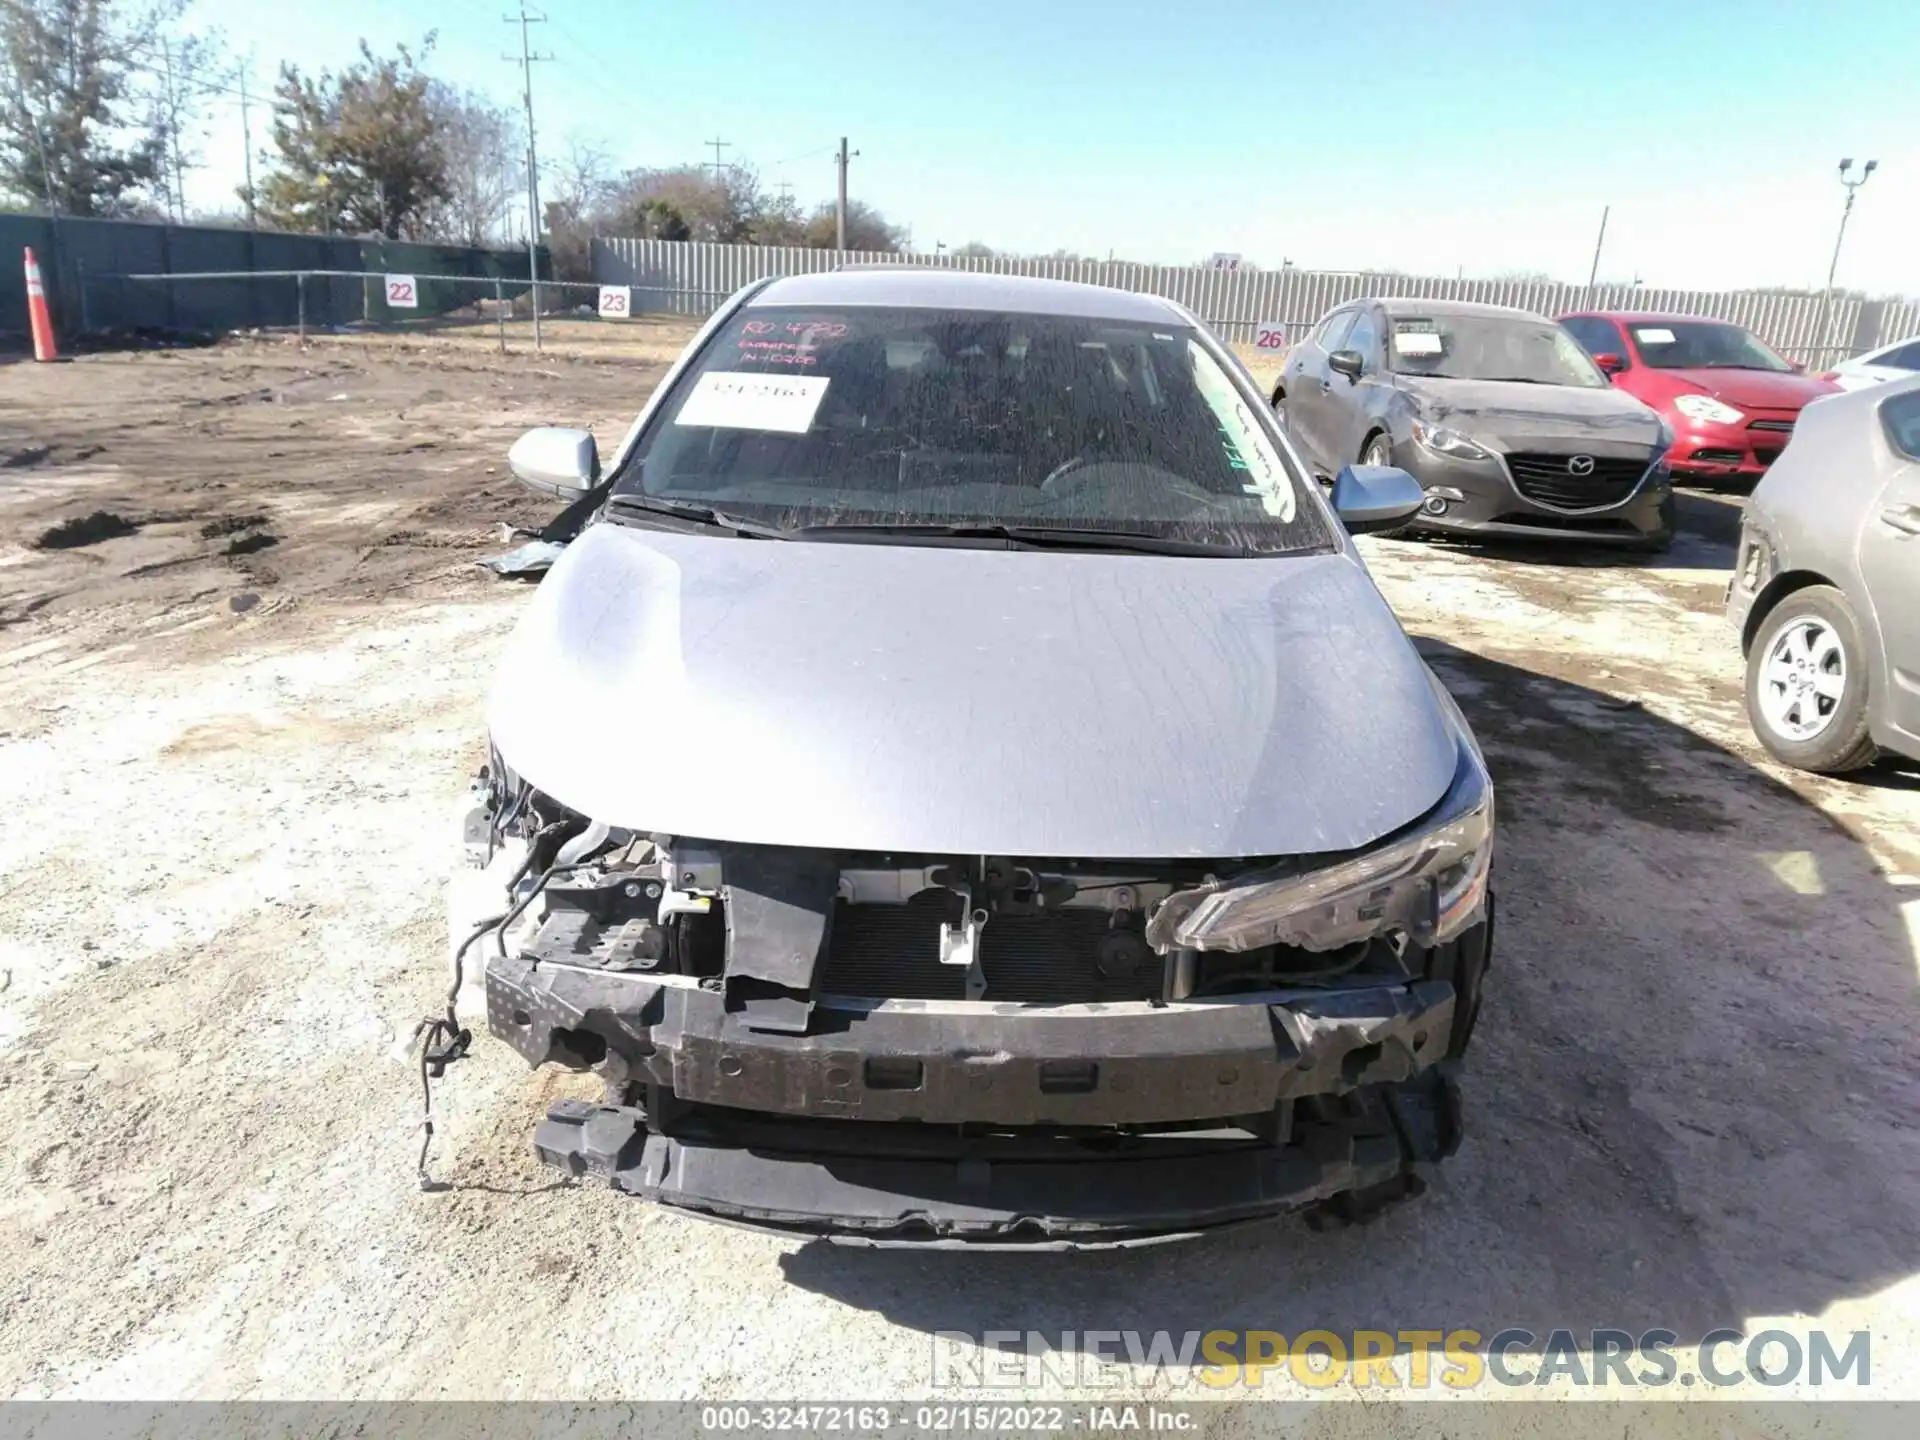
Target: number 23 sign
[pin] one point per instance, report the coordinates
(402, 293)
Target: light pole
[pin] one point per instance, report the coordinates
(1826, 299)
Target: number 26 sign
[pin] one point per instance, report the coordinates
(1270, 335)
(402, 293)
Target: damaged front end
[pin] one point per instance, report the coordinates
(966, 1049)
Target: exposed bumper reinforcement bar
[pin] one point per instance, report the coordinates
(1167, 1190)
(1003, 1065)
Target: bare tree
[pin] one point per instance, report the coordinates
(483, 144)
(189, 68)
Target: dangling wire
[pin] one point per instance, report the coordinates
(441, 1038)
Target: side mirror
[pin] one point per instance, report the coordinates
(1375, 497)
(1799, 366)
(556, 462)
(1610, 362)
(1346, 362)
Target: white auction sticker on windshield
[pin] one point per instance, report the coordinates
(1652, 336)
(737, 400)
(1416, 342)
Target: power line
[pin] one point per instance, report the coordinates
(718, 146)
(793, 159)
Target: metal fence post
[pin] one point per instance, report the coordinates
(300, 283)
(537, 346)
(86, 317)
(500, 311)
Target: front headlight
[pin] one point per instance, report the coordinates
(1443, 441)
(1431, 883)
(1705, 410)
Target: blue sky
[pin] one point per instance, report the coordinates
(1426, 135)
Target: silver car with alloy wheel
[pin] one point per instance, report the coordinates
(1826, 588)
(964, 787)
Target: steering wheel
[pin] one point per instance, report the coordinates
(1067, 468)
(1065, 479)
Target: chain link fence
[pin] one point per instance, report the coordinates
(497, 312)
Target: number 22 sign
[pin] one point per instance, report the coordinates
(402, 293)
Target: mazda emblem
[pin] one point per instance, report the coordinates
(1580, 465)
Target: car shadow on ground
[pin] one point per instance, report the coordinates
(1689, 1102)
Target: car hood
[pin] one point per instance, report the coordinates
(970, 701)
(1507, 412)
(1751, 389)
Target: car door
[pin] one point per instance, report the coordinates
(1308, 387)
(1890, 560)
(1349, 402)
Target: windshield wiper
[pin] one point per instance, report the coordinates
(636, 505)
(1037, 537)
(1518, 380)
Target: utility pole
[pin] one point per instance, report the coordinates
(1594, 273)
(1826, 297)
(246, 135)
(718, 146)
(525, 60)
(840, 206)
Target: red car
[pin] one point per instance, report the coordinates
(1729, 400)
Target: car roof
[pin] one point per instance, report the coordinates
(1869, 397)
(934, 288)
(1653, 317)
(1414, 305)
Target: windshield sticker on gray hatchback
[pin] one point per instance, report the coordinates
(1417, 337)
(736, 400)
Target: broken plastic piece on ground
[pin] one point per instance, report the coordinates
(534, 558)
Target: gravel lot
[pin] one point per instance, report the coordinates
(236, 730)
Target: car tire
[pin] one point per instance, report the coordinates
(1378, 450)
(1660, 543)
(1807, 684)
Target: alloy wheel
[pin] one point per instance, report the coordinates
(1804, 678)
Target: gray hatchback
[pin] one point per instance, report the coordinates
(1511, 429)
(1826, 590)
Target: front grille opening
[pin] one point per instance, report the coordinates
(1712, 456)
(1546, 480)
(892, 952)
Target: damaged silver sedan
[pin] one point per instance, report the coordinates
(963, 787)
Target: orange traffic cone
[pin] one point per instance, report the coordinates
(37, 316)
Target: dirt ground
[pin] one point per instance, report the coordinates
(236, 726)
